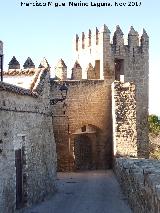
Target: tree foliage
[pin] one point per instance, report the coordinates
(154, 124)
(154, 137)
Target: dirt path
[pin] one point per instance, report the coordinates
(85, 192)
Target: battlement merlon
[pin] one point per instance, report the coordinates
(144, 41)
(61, 70)
(14, 64)
(93, 38)
(28, 63)
(118, 39)
(133, 38)
(90, 39)
(76, 71)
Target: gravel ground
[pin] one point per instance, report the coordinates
(85, 192)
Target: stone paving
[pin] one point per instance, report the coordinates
(85, 192)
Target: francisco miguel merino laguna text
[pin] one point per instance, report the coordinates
(80, 4)
(86, 4)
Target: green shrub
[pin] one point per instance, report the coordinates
(154, 124)
(154, 136)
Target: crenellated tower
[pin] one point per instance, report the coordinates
(102, 59)
(94, 48)
(87, 50)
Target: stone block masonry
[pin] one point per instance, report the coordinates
(124, 119)
(89, 103)
(27, 147)
(140, 181)
(116, 60)
(88, 107)
(82, 123)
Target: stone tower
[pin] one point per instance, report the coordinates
(14, 64)
(116, 61)
(61, 70)
(95, 48)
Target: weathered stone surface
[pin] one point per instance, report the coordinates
(117, 60)
(76, 72)
(26, 125)
(88, 103)
(61, 70)
(140, 181)
(14, 64)
(85, 113)
(91, 72)
(124, 119)
(28, 63)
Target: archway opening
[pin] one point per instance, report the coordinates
(83, 152)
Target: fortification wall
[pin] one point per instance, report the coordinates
(134, 60)
(140, 181)
(88, 102)
(89, 52)
(118, 60)
(124, 119)
(26, 137)
(94, 48)
(138, 72)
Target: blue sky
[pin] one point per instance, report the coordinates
(48, 32)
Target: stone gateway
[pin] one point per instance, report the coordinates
(69, 124)
(115, 120)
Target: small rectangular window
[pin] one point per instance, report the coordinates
(83, 129)
(119, 69)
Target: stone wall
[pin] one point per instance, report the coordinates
(116, 60)
(137, 71)
(134, 61)
(90, 51)
(88, 103)
(140, 181)
(124, 119)
(26, 127)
